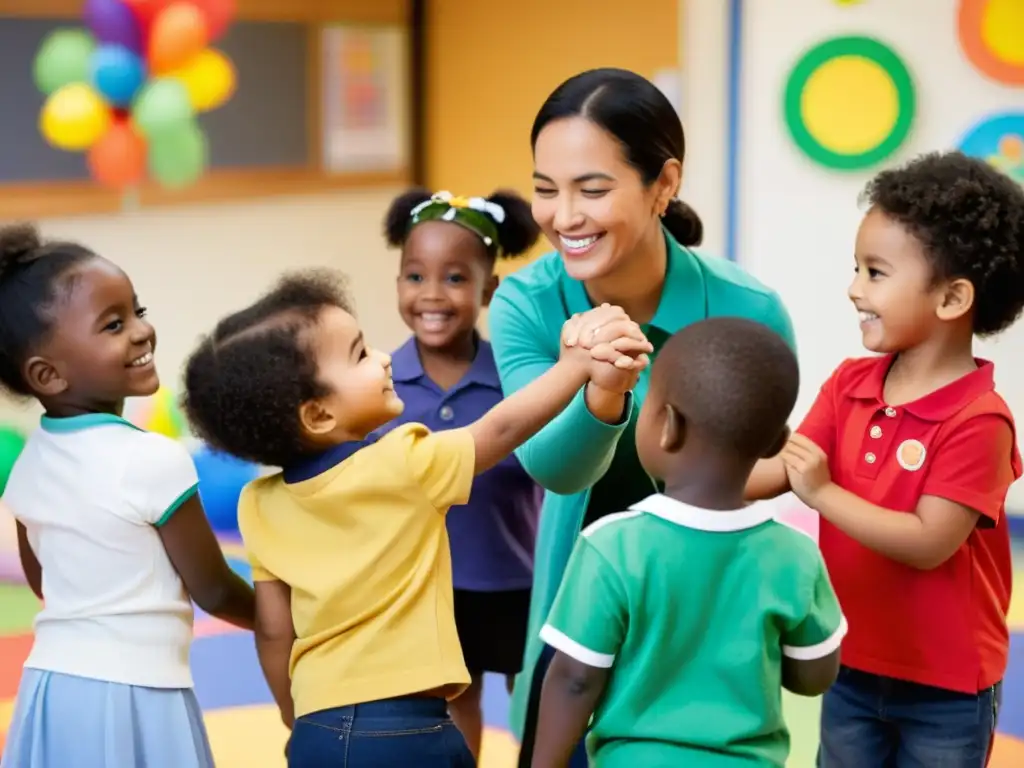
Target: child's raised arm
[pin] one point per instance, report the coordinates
(197, 556)
(517, 418)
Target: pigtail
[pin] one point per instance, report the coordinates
(396, 222)
(518, 232)
(20, 245)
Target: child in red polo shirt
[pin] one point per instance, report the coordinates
(908, 457)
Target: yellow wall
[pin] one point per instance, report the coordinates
(491, 65)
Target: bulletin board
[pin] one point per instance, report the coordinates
(266, 140)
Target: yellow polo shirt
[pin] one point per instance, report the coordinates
(364, 548)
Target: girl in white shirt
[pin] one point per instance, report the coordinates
(111, 532)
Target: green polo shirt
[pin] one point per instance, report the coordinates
(589, 467)
(692, 610)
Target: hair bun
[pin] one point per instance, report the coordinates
(19, 245)
(683, 223)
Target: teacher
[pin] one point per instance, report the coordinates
(608, 152)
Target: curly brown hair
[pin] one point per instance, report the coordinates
(246, 380)
(969, 218)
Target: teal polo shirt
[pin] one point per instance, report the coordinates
(575, 452)
(692, 611)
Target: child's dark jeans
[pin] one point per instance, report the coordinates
(869, 720)
(407, 732)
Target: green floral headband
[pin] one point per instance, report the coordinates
(476, 214)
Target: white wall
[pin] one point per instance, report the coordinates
(193, 264)
(797, 221)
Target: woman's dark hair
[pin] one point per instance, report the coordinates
(634, 111)
(969, 218)
(33, 277)
(245, 382)
(516, 234)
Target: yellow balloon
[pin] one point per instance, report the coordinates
(209, 79)
(74, 117)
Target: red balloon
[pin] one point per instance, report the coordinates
(146, 10)
(218, 13)
(119, 158)
(178, 33)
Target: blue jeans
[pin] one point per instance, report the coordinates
(394, 733)
(868, 720)
(579, 755)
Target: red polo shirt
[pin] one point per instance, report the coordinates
(945, 627)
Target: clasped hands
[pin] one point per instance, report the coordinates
(617, 347)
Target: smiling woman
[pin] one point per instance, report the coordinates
(608, 160)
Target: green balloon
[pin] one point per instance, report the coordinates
(63, 58)
(11, 443)
(178, 158)
(162, 107)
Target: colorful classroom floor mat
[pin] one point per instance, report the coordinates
(246, 733)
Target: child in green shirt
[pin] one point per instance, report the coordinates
(679, 621)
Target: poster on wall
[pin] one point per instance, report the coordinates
(849, 103)
(999, 140)
(365, 99)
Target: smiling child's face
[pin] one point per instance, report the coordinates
(101, 348)
(446, 279)
(361, 391)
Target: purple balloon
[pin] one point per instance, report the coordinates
(111, 21)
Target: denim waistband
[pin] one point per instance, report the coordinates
(402, 706)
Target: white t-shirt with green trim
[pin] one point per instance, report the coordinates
(692, 611)
(91, 492)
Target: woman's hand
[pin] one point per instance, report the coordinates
(618, 353)
(610, 336)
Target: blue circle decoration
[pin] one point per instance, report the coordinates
(999, 140)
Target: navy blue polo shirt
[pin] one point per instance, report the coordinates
(492, 537)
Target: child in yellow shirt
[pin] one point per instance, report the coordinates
(355, 627)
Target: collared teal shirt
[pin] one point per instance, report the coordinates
(573, 452)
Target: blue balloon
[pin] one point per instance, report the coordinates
(221, 479)
(117, 74)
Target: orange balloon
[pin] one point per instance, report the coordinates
(119, 158)
(178, 33)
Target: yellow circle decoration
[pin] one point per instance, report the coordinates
(991, 35)
(843, 80)
(849, 103)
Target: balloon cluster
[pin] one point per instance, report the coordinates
(127, 91)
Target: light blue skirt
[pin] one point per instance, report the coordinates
(63, 721)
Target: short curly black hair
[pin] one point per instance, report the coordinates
(969, 218)
(733, 379)
(245, 382)
(516, 234)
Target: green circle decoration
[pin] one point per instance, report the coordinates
(839, 47)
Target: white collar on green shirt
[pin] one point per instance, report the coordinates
(715, 520)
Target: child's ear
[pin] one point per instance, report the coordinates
(779, 444)
(957, 300)
(673, 431)
(43, 378)
(316, 419)
(489, 288)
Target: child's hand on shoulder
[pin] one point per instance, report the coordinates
(807, 468)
